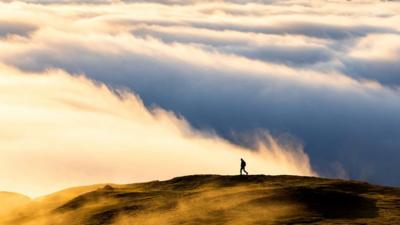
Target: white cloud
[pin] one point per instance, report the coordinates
(59, 131)
(325, 73)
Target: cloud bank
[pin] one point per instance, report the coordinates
(325, 74)
(59, 131)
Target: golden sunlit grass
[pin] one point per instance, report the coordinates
(213, 199)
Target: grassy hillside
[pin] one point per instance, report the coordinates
(10, 201)
(212, 199)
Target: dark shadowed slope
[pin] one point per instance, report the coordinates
(213, 199)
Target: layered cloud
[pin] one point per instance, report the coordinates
(322, 73)
(59, 131)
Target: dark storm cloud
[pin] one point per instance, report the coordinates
(374, 57)
(312, 29)
(343, 123)
(296, 56)
(386, 72)
(10, 28)
(243, 44)
(296, 74)
(306, 28)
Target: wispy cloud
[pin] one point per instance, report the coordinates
(59, 131)
(325, 73)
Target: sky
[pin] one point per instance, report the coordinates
(126, 91)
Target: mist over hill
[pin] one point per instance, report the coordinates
(10, 201)
(214, 199)
(319, 80)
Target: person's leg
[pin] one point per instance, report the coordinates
(241, 171)
(245, 171)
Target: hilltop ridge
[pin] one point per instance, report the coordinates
(215, 199)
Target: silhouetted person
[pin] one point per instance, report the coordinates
(243, 167)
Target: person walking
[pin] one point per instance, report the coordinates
(243, 167)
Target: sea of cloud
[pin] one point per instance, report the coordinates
(325, 73)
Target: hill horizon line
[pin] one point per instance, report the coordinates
(187, 176)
